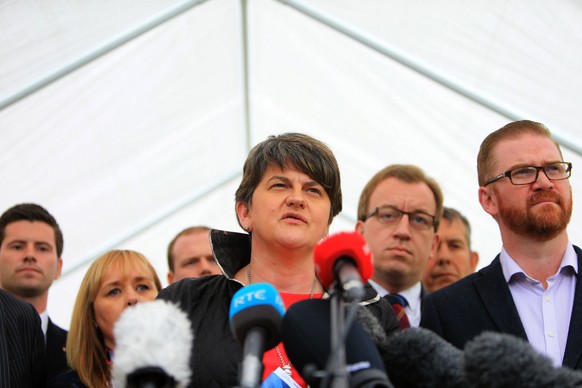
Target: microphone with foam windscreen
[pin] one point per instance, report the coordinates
(502, 360)
(153, 341)
(344, 258)
(256, 312)
(417, 357)
(307, 342)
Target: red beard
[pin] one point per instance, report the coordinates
(540, 223)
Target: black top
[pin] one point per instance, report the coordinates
(206, 300)
(68, 379)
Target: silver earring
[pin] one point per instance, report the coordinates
(247, 228)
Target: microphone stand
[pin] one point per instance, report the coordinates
(337, 360)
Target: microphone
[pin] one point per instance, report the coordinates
(153, 341)
(372, 326)
(306, 337)
(256, 312)
(502, 360)
(344, 257)
(417, 357)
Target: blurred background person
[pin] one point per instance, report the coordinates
(454, 258)
(190, 255)
(116, 280)
(31, 245)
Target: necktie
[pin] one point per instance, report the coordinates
(398, 303)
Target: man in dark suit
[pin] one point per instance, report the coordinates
(398, 214)
(22, 352)
(532, 289)
(31, 244)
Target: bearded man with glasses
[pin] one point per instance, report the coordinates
(532, 289)
(398, 215)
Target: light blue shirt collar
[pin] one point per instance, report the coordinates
(510, 268)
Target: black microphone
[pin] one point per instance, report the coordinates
(344, 257)
(372, 326)
(502, 360)
(256, 312)
(153, 341)
(417, 357)
(306, 337)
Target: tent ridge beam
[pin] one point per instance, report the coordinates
(153, 220)
(416, 65)
(100, 51)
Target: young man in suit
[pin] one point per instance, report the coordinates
(31, 244)
(22, 352)
(532, 289)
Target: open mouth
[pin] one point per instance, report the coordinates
(293, 216)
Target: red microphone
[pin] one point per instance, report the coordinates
(344, 257)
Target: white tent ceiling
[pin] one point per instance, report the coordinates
(130, 120)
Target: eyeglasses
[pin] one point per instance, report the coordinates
(389, 215)
(529, 174)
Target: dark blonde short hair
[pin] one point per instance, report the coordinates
(187, 231)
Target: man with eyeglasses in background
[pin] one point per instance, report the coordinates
(532, 289)
(398, 214)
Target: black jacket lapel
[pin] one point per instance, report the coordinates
(573, 353)
(498, 301)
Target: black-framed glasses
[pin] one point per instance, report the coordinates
(390, 215)
(529, 174)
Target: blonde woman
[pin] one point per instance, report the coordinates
(116, 280)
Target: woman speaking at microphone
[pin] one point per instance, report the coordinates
(289, 194)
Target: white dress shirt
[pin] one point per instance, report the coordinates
(544, 313)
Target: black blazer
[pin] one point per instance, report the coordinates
(482, 302)
(56, 341)
(22, 348)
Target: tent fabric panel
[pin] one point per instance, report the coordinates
(60, 33)
(522, 55)
(131, 134)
